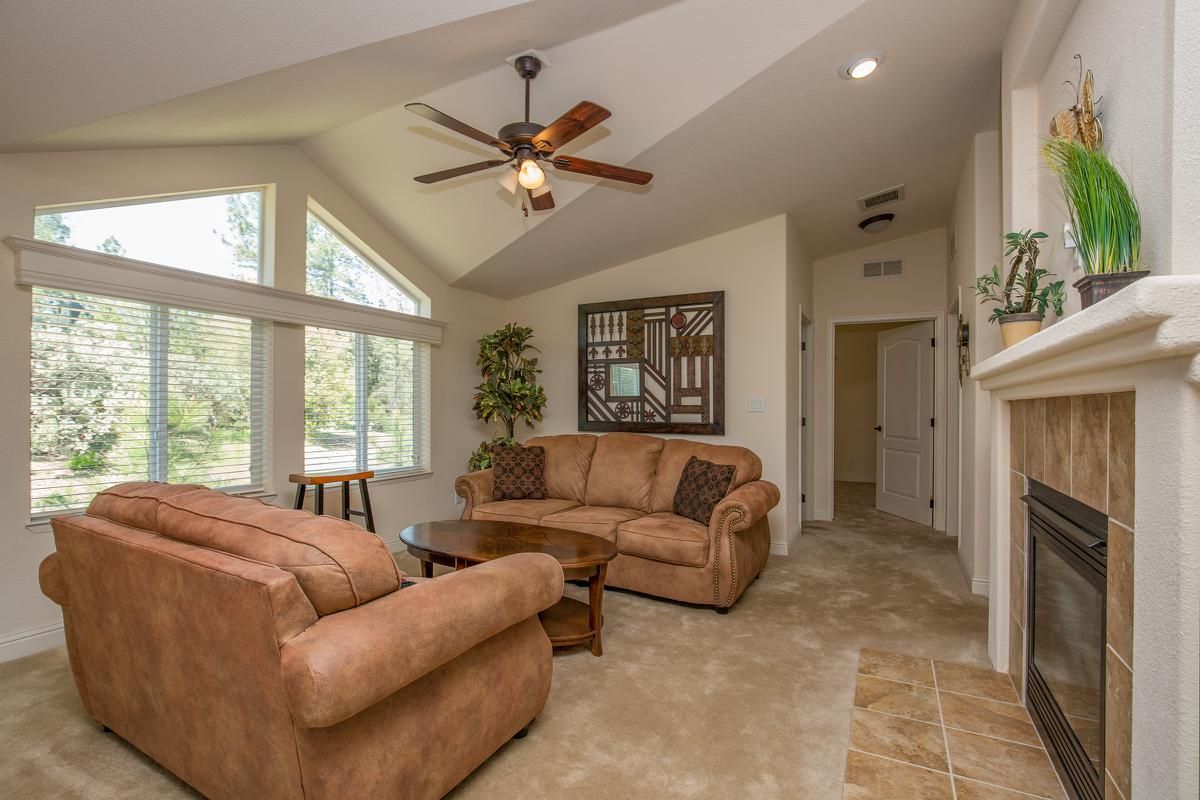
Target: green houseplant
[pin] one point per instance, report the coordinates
(1105, 220)
(509, 392)
(1024, 294)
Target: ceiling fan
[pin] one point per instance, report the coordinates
(528, 145)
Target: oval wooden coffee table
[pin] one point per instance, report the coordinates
(461, 543)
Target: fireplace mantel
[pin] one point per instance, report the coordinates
(1144, 339)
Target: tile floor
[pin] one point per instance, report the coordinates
(933, 730)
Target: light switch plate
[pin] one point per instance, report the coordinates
(757, 405)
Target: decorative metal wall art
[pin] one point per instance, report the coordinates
(654, 365)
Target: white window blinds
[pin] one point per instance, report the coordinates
(366, 403)
(123, 390)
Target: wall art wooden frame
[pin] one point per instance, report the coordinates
(653, 365)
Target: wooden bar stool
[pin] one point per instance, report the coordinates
(319, 480)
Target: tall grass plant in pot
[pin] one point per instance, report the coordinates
(1105, 220)
(1023, 295)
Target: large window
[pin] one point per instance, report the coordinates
(127, 391)
(124, 390)
(217, 234)
(365, 397)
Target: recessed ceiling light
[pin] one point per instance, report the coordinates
(878, 223)
(861, 65)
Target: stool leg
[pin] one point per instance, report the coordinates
(346, 500)
(299, 496)
(320, 504)
(366, 503)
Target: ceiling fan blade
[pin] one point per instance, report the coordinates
(541, 202)
(466, 169)
(445, 120)
(601, 170)
(583, 117)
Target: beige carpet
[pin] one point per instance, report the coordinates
(683, 703)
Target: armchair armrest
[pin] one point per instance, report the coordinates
(348, 661)
(475, 488)
(744, 506)
(51, 579)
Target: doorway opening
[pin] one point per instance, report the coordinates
(884, 406)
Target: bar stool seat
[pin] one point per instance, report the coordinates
(319, 480)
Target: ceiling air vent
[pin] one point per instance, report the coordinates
(872, 201)
(892, 268)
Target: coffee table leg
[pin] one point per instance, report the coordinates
(596, 607)
(426, 569)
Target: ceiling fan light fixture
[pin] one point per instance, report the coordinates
(861, 66)
(543, 189)
(878, 223)
(530, 175)
(508, 179)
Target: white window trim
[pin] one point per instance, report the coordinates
(57, 266)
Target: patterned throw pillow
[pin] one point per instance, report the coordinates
(518, 473)
(701, 487)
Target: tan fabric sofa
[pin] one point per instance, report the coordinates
(258, 652)
(622, 486)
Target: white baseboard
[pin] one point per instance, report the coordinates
(979, 586)
(788, 547)
(31, 640)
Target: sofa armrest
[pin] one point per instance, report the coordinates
(51, 579)
(353, 659)
(475, 488)
(744, 506)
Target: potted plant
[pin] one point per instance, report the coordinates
(1024, 295)
(509, 393)
(1105, 221)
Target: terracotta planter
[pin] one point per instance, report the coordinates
(1015, 328)
(1094, 288)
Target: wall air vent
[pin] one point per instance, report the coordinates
(891, 268)
(872, 201)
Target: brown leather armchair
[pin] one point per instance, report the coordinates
(260, 652)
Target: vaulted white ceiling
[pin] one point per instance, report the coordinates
(735, 107)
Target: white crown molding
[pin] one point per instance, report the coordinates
(57, 266)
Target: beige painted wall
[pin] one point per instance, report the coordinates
(855, 393)
(28, 621)
(750, 264)
(976, 217)
(841, 293)
(799, 308)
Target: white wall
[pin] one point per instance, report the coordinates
(840, 292)
(976, 218)
(29, 621)
(750, 264)
(799, 307)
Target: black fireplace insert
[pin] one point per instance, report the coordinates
(1066, 569)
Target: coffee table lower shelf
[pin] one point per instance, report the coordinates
(569, 623)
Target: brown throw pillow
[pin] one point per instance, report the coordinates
(518, 473)
(701, 487)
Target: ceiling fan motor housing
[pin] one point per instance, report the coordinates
(527, 66)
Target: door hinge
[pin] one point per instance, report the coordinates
(931, 502)
(931, 422)
(803, 346)
(803, 421)
(932, 341)
(803, 498)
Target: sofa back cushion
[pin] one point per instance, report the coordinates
(136, 504)
(674, 458)
(337, 564)
(623, 469)
(568, 459)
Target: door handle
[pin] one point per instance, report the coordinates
(879, 428)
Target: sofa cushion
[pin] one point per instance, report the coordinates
(530, 511)
(568, 459)
(664, 536)
(622, 473)
(701, 487)
(599, 521)
(518, 473)
(337, 564)
(136, 504)
(675, 455)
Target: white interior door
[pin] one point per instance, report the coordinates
(904, 414)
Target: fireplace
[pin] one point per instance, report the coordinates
(1067, 568)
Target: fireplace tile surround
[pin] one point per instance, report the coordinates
(1114, 393)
